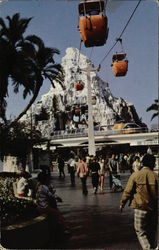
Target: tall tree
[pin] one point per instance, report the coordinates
(18, 139)
(154, 107)
(24, 61)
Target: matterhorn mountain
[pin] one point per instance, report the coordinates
(63, 109)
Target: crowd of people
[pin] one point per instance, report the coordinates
(141, 189)
(98, 168)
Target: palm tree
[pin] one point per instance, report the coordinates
(154, 107)
(42, 66)
(10, 55)
(24, 61)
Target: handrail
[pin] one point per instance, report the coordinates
(61, 134)
(75, 134)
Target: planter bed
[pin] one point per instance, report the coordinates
(30, 234)
(21, 225)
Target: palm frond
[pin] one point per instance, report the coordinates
(15, 18)
(3, 105)
(154, 115)
(35, 40)
(16, 86)
(2, 23)
(27, 48)
(152, 107)
(56, 66)
(3, 86)
(51, 81)
(26, 92)
(45, 56)
(16, 28)
(23, 24)
(52, 72)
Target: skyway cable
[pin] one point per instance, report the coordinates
(121, 33)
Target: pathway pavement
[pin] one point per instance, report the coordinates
(95, 220)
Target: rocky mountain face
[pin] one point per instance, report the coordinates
(62, 109)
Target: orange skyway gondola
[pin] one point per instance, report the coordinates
(120, 64)
(93, 22)
(77, 111)
(78, 86)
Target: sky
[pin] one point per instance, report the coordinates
(55, 21)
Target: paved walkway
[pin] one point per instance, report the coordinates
(95, 220)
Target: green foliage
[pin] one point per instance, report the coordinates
(154, 107)
(18, 139)
(25, 61)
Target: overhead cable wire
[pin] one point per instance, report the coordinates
(121, 33)
(78, 59)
